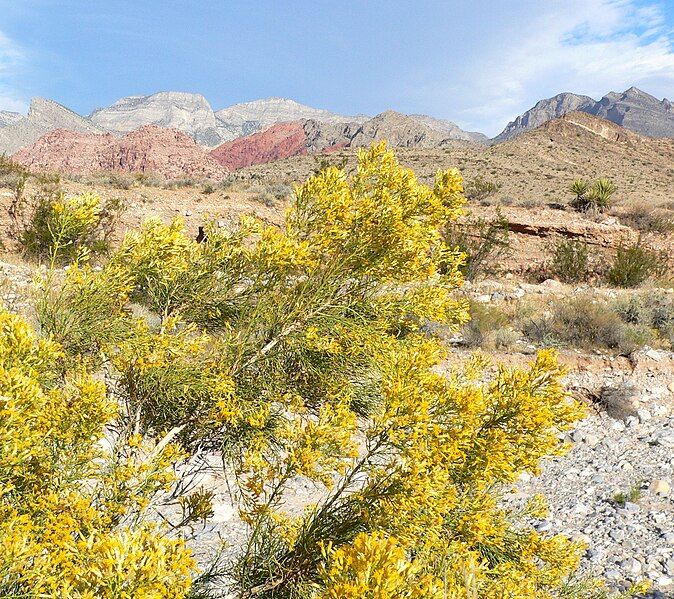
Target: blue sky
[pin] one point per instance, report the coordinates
(478, 63)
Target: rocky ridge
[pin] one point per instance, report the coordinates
(43, 116)
(309, 136)
(189, 113)
(452, 130)
(150, 149)
(251, 117)
(633, 109)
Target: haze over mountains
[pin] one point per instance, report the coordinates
(266, 130)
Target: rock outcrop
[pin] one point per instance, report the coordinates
(151, 150)
(276, 142)
(43, 116)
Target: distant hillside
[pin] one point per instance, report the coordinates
(251, 117)
(309, 136)
(633, 109)
(452, 130)
(536, 167)
(43, 116)
(152, 150)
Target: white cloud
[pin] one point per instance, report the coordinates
(585, 46)
(11, 58)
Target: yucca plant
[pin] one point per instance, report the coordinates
(592, 197)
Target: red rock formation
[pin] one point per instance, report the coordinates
(278, 141)
(152, 150)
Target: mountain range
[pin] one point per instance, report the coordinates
(633, 109)
(266, 130)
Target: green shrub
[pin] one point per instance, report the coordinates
(489, 328)
(596, 196)
(486, 243)
(584, 322)
(570, 260)
(13, 176)
(654, 310)
(63, 228)
(634, 264)
(480, 188)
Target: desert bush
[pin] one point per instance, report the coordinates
(208, 188)
(266, 198)
(653, 310)
(584, 322)
(13, 175)
(74, 519)
(62, 228)
(280, 191)
(634, 264)
(480, 188)
(595, 196)
(489, 327)
(648, 220)
(485, 243)
(314, 362)
(570, 260)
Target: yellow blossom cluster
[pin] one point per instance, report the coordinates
(66, 505)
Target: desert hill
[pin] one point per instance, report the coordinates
(151, 149)
(536, 167)
(189, 113)
(309, 137)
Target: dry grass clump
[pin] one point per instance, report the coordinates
(646, 219)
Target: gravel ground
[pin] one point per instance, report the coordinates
(615, 491)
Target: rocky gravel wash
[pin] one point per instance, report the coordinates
(614, 492)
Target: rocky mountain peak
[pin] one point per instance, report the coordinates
(543, 111)
(43, 116)
(633, 109)
(187, 112)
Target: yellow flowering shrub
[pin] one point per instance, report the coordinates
(307, 352)
(70, 511)
(63, 228)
